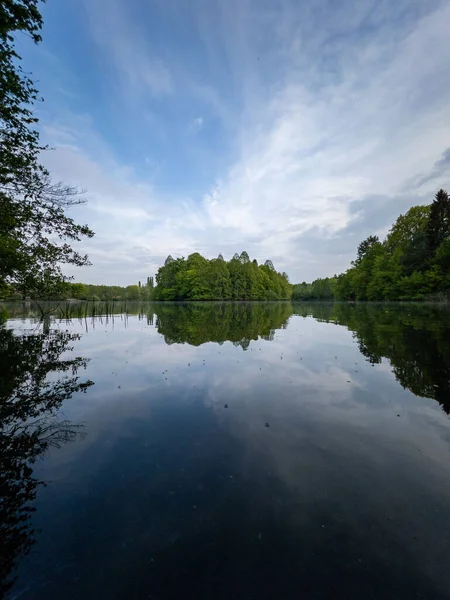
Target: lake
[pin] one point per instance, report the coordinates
(217, 451)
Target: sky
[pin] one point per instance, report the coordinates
(292, 130)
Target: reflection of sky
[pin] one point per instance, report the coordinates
(334, 435)
(313, 369)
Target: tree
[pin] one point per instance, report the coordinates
(200, 279)
(192, 281)
(237, 277)
(167, 279)
(406, 241)
(79, 291)
(132, 292)
(301, 291)
(219, 277)
(365, 246)
(34, 236)
(412, 263)
(442, 256)
(34, 229)
(438, 228)
(19, 140)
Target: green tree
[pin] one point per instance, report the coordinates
(200, 279)
(413, 262)
(438, 229)
(35, 232)
(237, 278)
(167, 278)
(80, 291)
(219, 277)
(365, 247)
(192, 281)
(132, 292)
(406, 241)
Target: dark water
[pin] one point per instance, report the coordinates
(227, 451)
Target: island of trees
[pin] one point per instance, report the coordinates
(197, 278)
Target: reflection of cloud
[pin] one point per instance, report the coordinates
(166, 467)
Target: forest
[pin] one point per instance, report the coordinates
(197, 278)
(142, 291)
(412, 263)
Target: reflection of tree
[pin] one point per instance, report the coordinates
(237, 322)
(34, 382)
(415, 339)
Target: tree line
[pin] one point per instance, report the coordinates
(86, 291)
(197, 278)
(412, 263)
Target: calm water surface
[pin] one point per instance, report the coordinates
(227, 451)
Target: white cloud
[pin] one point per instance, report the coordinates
(329, 127)
(128, 49)
(196, 124)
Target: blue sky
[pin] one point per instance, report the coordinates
(289, 129)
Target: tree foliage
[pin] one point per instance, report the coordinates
(197, 278)
(438, 226)
(319, 289)
(412, 263)
(35, 231)
(86, 291)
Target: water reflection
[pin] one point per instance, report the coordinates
(414, 338)
(181, 485)
(239, 323)
(35, 380)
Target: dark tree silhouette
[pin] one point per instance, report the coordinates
(365, 246)
(439, 222)
(34, 382)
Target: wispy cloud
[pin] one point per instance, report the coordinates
(124, 44)
(326, 121)
(196, 124)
